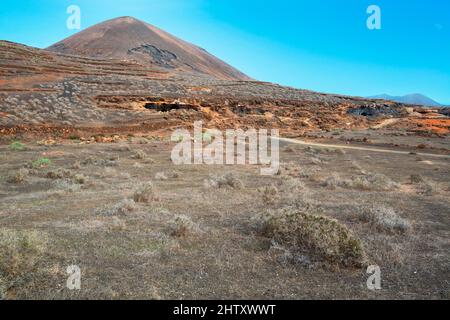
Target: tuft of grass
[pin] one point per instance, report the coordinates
(183, 226)
(269, 194)
(292, 184)
(19, 253)
(139, 155)
(227, 180)
(384, 219)
(374, 181)
(58, 174)
(122, 208)
(145, 193)
(174, 175)
(80, 179)
(76, 165)
(318, 236)
(230, 180)
(161, 176)
(334, 181)
(41, 163)
(17, 146)
(311, 173)
(416, 179)
(19, 177)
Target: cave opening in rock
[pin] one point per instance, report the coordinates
(162, 107)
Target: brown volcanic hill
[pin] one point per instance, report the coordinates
(130, 39)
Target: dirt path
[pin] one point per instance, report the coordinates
(339, 146)
(386, 123)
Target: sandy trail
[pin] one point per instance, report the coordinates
(386, 123)
(370, 149)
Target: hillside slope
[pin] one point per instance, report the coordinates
(127, 38)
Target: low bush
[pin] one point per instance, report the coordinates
(122, 208)
(41, 163)
(19, 177)
(182, 226)
(145, 193)
(317, 236)
(17, 146)
(227, 180)
(384, 219)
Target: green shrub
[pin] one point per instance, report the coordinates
(41, 163)
(17, 146)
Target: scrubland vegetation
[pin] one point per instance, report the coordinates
(140, 227)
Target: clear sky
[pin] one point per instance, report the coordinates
(322, 45)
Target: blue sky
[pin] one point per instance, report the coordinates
(322, 45)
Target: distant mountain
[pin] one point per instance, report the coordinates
(127, 38)
(415, 98)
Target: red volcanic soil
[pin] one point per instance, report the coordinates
(439, 126)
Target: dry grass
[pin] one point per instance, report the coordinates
(67, 186)
(19, 177)
(139, 155)
(269, 195)
(311, 173)
(227, 180)
(161, 176)
(182, 226)
(416, 179)
(291, 184)
(122, 208)
(80, 179)
(384, 219)
(317, 236)
(146, 193)
(374, 181)
(58, 174)
(429, 188)
(19, 252)
(76, 165)
(368, 181)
